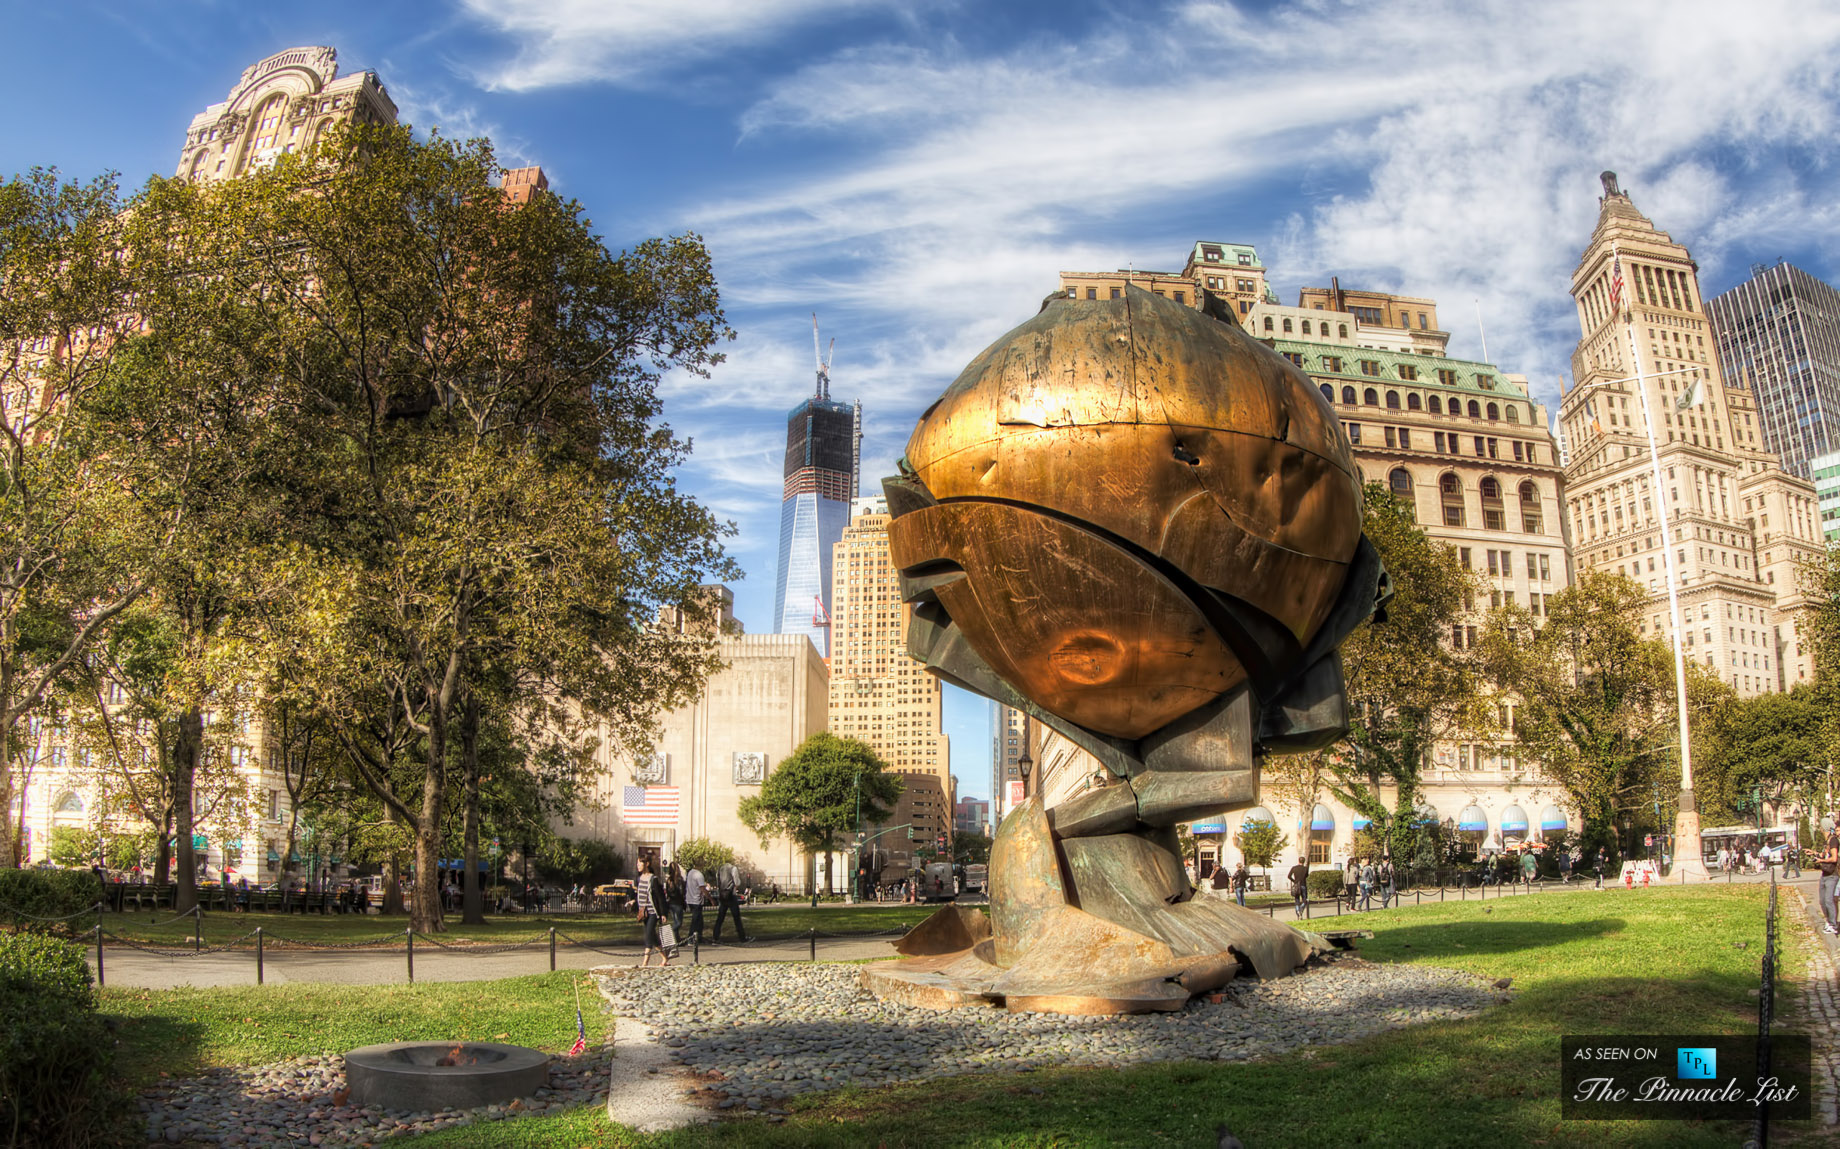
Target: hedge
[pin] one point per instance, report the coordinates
(49, 894)
(1326, 883)
(55, 1052)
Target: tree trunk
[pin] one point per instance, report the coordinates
(9, 829)
(472, 911)
(162, 860)
(392, 886)
(185, 771)
(426, 911)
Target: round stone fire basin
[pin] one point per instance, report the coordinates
(423, 1076)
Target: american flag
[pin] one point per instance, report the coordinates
(1616, 286)
(650, 806)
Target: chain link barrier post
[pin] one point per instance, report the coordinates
(99, 955)
(258, 955)
(812, 934)
(552, 949)
(197, 930)
(409, 938)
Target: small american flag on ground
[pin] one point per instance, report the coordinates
(581, 1032)
(650, 806)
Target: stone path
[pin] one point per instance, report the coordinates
(1817, 1011)
(756, 1036)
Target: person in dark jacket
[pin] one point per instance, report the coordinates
(652, 903)
(1300, 884)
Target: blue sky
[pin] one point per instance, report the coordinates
(918, 172)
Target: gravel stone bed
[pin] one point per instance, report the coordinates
(294, 1103)
(761, 1034)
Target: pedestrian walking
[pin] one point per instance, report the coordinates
(1241, 879)
(1365, 875)
(1829, 859)
(1530, 866)
(1300, 885)
(674, 894)
(1221, 882)
(728, 900)
(1351, 881)
(1597, 864)
(1565, 866)
(696, 893)
(651, 903)
(1386, 878)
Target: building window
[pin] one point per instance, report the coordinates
(1392, 438)
(1332, 363)
(1412, 403)
(1268, 324)
(1348, 395)
(1435, 405)
(1494, 413)
(1531, 519)
(1450, 493)
(1287, 326)
(1514, 413)
(1092, 293)
(1475, 409)
(1370, 397)
(1447, 377)
(1370, 367)
(1401, 481)
(1407, 371)
(1341, 330)
(1328, 393)
(1181, 297)
(1392, 400)
(1492, 517)
(1117, 291)
(1306, 327)
(268, 124)
(1354, 432)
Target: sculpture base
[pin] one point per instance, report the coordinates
(1689, 859)
(1100, 924)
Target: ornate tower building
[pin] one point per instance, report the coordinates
(1740, 524)
(282, 104)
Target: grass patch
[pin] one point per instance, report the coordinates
(774, 921)
(1654, 961)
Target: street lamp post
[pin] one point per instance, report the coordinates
(1686, 817)
(1026, 763)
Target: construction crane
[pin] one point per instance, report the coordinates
(824, 360)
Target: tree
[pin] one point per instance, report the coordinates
(65, 574)
(970, 848)
(704, 854)
(828, 786)
(1409, 685)
(480, 486)
(1597, 699)
(586, 861)
(1770, 742)
(1260, 843)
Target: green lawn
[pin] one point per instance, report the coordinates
(217, 926)
(1659, 961)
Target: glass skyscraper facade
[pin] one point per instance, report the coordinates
(820, 480)
(1779, 334)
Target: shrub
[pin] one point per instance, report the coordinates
(55, 1053)
(704, 854)
(1326, 883)
(567, 861)
(48, 894)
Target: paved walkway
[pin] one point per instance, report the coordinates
(1817, 1010)
(124, 967)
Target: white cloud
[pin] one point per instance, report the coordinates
(1461, 149)
(432, 107)
(623, 41)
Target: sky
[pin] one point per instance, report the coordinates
(918, 172)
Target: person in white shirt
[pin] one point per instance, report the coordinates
(696, 895)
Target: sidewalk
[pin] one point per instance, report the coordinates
(1818, 1009)
(129, 968)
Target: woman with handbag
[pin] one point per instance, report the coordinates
(651, 904)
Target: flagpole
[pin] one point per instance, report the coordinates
(1686, 818)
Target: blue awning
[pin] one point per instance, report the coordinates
(1424, 814)
(1552, 819)
(1362, 821)
(1322, 819)
(1211, 826)
(1257, 814)
(1514, 820)
(1473, 820)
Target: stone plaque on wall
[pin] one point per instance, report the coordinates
(652, 769)
(750, 768)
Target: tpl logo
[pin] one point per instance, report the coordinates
(1696, 1064)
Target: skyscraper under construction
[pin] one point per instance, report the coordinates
(823, 465)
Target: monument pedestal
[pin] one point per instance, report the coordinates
(1689, 858)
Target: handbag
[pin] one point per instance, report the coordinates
(667, 937)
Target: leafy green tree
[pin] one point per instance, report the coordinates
(970, 848)
(1771, 742)
(588, 861)
(66, 571)
(1597, 700)
(1409, 685)
(704, 854)
(480, 489)
(814, 795)
(1260, 843)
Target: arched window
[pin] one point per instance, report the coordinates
(1287, 326)
(1450, 494)
(1437, 405)
(1494, 413)
(198, 163)
(1514, 413)
(1268, 323)
(1492, 517)
(268, 124)
(1328, 393)
(68, 803)
(1306, 327)
(1401, 482)
(1341, 330)
(1475, 409)
(1348, 395)
(1531, 520)
(1370, 397)
(1392, 400)
(1412, 403)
